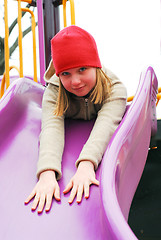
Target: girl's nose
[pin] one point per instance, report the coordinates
(76, 81)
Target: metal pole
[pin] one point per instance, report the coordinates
(51, 26)
(20, 39)
(6, 44)
(41, 40)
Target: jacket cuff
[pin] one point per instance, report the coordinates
(57, 172)
(87, 158)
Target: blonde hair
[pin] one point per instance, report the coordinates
(100, 92)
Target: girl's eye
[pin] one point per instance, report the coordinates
(65, 73)
(82, 69)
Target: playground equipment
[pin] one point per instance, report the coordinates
(105, 214)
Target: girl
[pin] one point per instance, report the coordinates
(79, 88)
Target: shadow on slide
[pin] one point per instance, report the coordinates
(104, 215)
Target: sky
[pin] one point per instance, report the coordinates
(127, 34)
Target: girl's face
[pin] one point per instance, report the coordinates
(79, 81)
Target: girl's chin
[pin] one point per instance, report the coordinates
(80, 93)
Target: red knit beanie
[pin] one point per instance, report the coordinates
(74, 47)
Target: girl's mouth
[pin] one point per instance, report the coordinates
(79, 88)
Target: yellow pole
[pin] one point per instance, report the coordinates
(129, 99)
(20, 39)
(159, 89)
(158, 98)
(4, 80)
(64, 13)
(28, 1)
(6, 44)
(2, 85)
(72, 12)
(34, 40)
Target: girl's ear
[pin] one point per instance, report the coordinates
(50, 71)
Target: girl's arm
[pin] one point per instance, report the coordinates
(52, 134)
(108, 119)
(106, 123)
(50, 154)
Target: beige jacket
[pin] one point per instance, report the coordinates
(108, 116)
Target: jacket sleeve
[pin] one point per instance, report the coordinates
(52, 134)
(108, 119)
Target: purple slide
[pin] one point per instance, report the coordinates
(104, 215)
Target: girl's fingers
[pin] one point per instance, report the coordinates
(95, 181)
(68, 187)
(86, 191)
(35, 202)
(73, 194)
(87, 187)
(48, 202)
(79, 190)
(79, 193)
(41, 203)
(57, 194)
(30, 197)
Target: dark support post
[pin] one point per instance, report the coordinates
(51, 25)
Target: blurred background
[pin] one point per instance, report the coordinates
(127, 34)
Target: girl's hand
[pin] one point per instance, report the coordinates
(81, 181)
(45, 189)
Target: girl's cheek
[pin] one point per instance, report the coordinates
(63, 82)
(66, 85)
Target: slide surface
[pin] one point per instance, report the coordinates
(102, 216)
